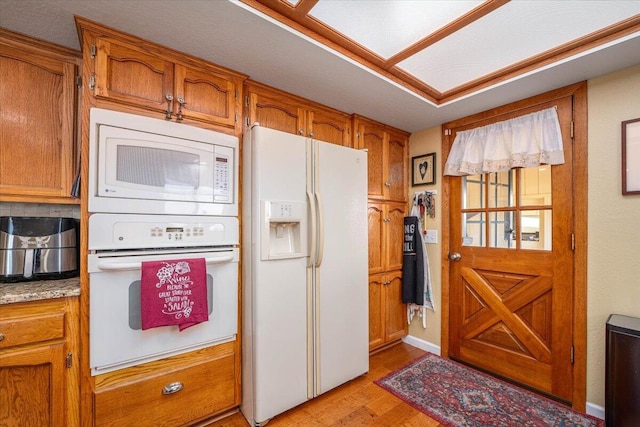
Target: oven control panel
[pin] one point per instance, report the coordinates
(178, 233)
(114, 231)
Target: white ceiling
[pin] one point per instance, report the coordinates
(237, 36)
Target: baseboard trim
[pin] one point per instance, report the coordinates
(422, 344)
(595, 410)
(592, 409)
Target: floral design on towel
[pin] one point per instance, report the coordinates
(177, 295)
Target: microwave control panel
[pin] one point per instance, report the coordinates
(223, 175)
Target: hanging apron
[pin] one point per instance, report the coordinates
(412, 263)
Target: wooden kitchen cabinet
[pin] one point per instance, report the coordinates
(128, 70)
(279, 110)
(387, 313)
(387, 151)
(38, 150)
(386, 231)
(181, 390)
(39, 363)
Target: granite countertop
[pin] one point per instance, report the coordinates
(39, 290)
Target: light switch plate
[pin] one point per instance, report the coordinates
(431, 236)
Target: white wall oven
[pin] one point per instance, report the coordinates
(119, 243)
(145, 165)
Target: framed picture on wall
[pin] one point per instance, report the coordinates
(631, 156)
(423, 169)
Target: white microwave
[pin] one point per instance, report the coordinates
(143, 165)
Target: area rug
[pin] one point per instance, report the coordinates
(456, 395)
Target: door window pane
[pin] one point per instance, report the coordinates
(501, 229)
(535, 229)
(535, 186)
(501, 194)
(473, 229)
(473, 191)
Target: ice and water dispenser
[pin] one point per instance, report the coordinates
(283, 226)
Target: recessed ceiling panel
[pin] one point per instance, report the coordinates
(388, 27)
(515, 32)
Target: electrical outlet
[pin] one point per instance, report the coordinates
(431, 236)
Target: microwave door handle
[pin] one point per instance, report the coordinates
(114, 265)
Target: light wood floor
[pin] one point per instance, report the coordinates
(360, 402)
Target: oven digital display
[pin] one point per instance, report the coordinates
(174, 230)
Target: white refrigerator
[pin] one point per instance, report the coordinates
(305, 270)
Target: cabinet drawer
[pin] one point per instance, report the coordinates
(207, 388)
(30, 329)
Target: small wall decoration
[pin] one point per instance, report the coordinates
(423, 169)
(631, 156)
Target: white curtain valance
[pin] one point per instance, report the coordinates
(525, 141)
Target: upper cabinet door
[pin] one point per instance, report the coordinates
(279, 110)
(333, 127)
(128, 75)
(276, 113)
(37, 145)
(396, 182)
(204, 95)
(372, 139)
(387, 151)
(142, 75)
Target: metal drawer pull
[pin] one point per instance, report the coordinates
(172, 388)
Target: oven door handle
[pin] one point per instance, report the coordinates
(114, 265)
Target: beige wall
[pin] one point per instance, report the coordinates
(613, 284)
(424, 142)
(614, 234)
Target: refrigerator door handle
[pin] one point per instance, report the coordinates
(320, 230)
(313, 219)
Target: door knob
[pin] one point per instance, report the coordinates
(455, 256)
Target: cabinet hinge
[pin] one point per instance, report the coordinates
(236, 119)
(236, 93)
(572, 355)
(573, 242)
(447, 132)
(246, 101)
(69, 360)
(247, 121)
(92, 51)
(79, 81)
(92, 82)
(572, 122)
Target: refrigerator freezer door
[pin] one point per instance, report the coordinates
(341, 288)
(278, 286)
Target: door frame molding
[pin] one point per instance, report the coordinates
(579, 188)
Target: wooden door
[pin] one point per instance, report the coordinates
(372, 138)
(396, 181)
(511, 291)
(377, 237)
(395, 311)
(129, 75)
(275, 113)
(204, 95)
(33, 384)
(329, 127)
(394, 235)
(377, 310)
(37, 157)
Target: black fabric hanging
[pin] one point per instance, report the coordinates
(412, 263)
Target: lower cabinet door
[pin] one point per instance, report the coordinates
(169, 398)
(33, 387)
